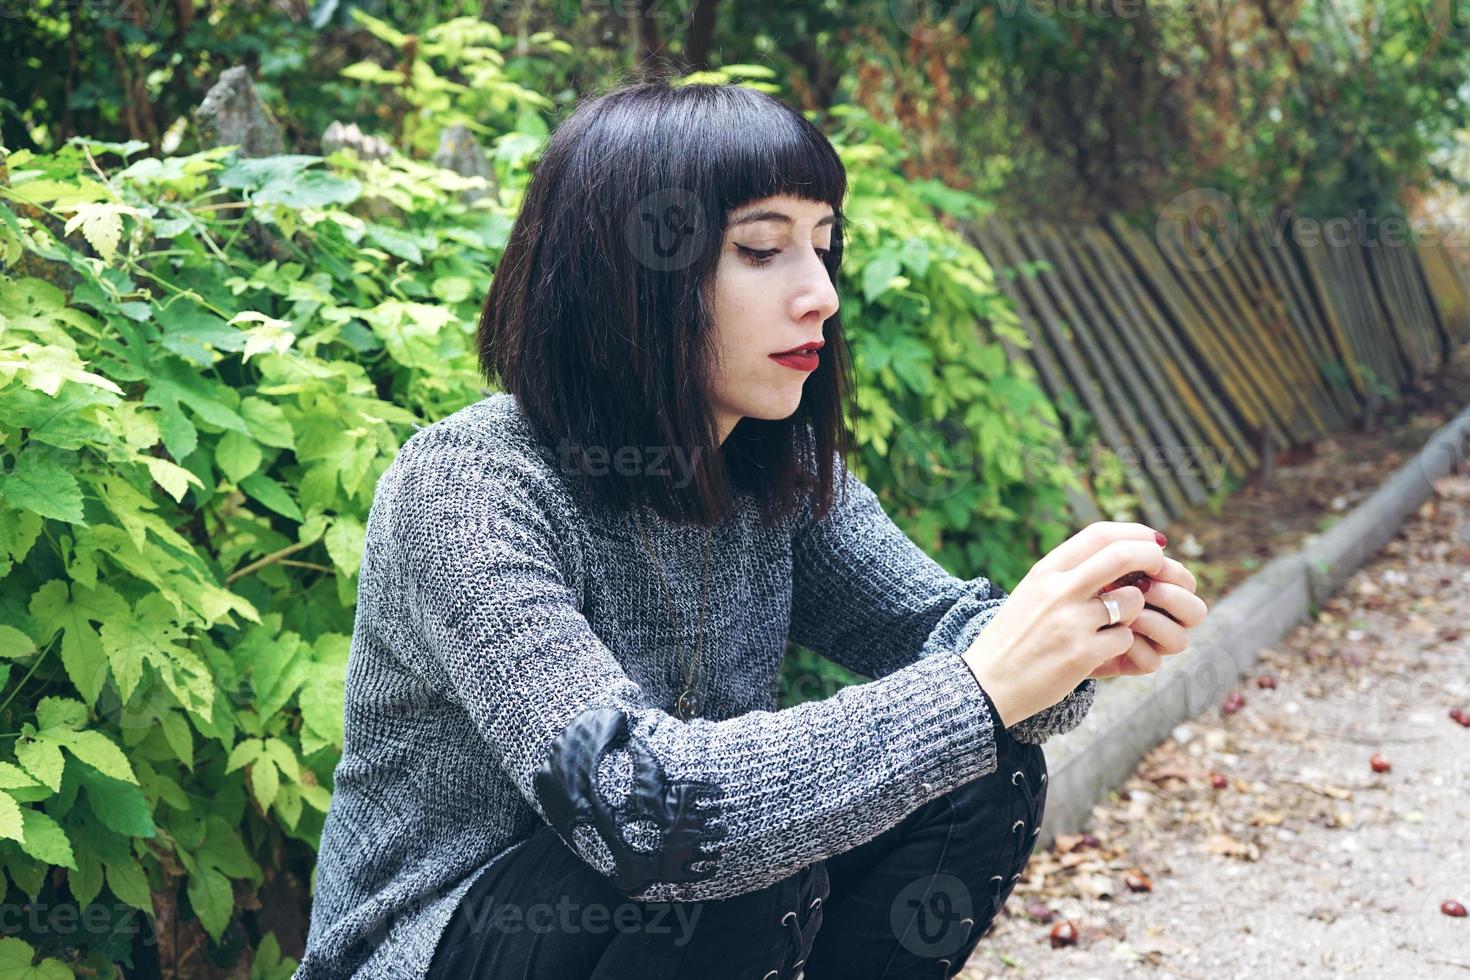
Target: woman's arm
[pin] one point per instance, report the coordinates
(667, 810)
(865, 596)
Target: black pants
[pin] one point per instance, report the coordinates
(912, 902)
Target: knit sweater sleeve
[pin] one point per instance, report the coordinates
(667, 810)
(867, 597)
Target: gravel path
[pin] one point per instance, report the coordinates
(1306, 863)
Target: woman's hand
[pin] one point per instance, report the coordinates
(1170, 608)
(1051, 632)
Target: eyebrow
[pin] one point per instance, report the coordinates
(780, 217)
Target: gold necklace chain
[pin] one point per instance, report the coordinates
(682, 706)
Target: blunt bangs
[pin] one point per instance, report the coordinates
(600, 315)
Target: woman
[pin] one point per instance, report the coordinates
(562, 757)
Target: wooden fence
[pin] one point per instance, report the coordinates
(1269, 338)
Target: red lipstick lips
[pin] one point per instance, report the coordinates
(802, 358)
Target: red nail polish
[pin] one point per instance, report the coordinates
(1146, 584)
(1159, 537)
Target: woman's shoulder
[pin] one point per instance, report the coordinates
(494, 425)
(487, 441)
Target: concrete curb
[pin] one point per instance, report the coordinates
(1131, 715)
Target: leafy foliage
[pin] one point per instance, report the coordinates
(206, 362)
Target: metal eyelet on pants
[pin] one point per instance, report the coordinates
(811, 886)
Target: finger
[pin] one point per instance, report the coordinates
(1144, 654)
(1130, 604)
(1092, 538)
(1120, 666)
(1175, 573)
(1184, 607)
(1114, 561)
(1168, 635)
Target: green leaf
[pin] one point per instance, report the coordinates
(172, 477)
(396, 242)
(41, 757)
(878, 273)
(213, 900)
(101, 224)
(265, 782)
(271, 494)
(267, 423)
(10, 818)
(151, 635)
(40, 484)
(99, 752)
(14, 644)
(244, 753)
(285, 760)
(14, 777)
(176, 732)
(56, 715)
(237, 456)
(86, 881)
(81, 647)
(129, 883)
(344, 540)
(119, 806)
(16, 956)
(45, 841)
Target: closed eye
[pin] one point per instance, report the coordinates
(763, 256)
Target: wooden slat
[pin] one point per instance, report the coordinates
(1209, 351)
(1082, 380)
(1313, 316)
(1379, 331)
(1396, 306)
(1342, 326)
(1443, 292)
(1272, 307)
(1280, 273)
(1272, 344)
(1431, 331)
(1201, 403)
(1275, 405)
(1122, 370)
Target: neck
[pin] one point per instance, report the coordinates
(727, 425)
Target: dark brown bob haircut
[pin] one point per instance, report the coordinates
(600, 317)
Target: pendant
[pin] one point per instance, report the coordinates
(687, 704)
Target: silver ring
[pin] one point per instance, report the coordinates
(1115, 615)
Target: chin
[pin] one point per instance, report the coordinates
(773, 410)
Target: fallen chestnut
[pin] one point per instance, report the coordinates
(1452, 907)
(1039, 912)
(1132, 578)
(1138, 883)
(1379, 763)
(1063, 934)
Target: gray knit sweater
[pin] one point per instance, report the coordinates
(513, 664)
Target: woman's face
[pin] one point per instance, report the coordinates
(771, 294)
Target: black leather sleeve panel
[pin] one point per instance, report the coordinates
(564, 784)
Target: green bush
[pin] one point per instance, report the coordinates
(205, 364)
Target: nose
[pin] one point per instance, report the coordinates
(816, 292)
